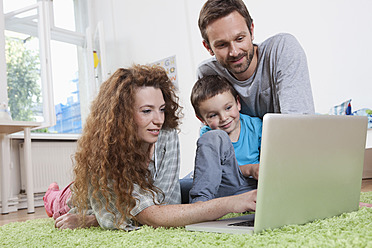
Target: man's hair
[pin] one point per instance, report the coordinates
(208, 87)
(216, 9)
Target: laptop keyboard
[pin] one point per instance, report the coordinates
(243, 223)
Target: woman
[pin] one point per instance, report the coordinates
(127, 162)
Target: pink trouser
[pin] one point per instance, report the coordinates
(55, 201)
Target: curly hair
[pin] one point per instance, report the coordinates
(216, 9)
(107, 158)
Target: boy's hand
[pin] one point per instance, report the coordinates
(250, 170)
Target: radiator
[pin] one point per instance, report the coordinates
(51, 162)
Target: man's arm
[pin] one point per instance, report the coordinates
(292, 77)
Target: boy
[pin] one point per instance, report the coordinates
(227, 155)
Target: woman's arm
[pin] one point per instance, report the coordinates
(181, 215)
(175, 215)
(185, 214)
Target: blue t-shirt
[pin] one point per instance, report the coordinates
(247, 148)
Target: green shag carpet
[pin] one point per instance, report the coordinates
(347, 230)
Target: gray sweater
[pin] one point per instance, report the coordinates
(280, 83)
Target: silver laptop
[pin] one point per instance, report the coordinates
(310, 168)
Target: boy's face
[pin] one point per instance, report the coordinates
(222, 112)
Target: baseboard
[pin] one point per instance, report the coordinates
(367, 169)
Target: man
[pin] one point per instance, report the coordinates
(271, 77)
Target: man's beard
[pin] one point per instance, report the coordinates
(239, 68)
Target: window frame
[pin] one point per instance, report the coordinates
(46, 31)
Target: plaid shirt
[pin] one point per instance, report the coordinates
(166, 178)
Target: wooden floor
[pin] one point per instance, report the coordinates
(366, 185)
(22, 215)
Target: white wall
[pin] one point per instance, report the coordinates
(3, 85)
(144, 31)
(336, 36)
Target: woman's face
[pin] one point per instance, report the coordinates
(149, 116)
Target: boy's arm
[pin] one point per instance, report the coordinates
(250, 170)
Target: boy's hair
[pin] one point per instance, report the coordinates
(216, 9)
(208, 87)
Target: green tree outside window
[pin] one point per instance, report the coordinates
(23, 74)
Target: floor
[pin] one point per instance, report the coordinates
(366, 185)
(22, 215)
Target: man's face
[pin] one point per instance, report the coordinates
(231, 42)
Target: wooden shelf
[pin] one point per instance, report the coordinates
(9, 127)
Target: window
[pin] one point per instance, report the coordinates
(66, 88)
(51, 49)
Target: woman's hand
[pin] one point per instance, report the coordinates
(73, 221)
(245, 202)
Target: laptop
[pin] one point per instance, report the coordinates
(310, 168)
